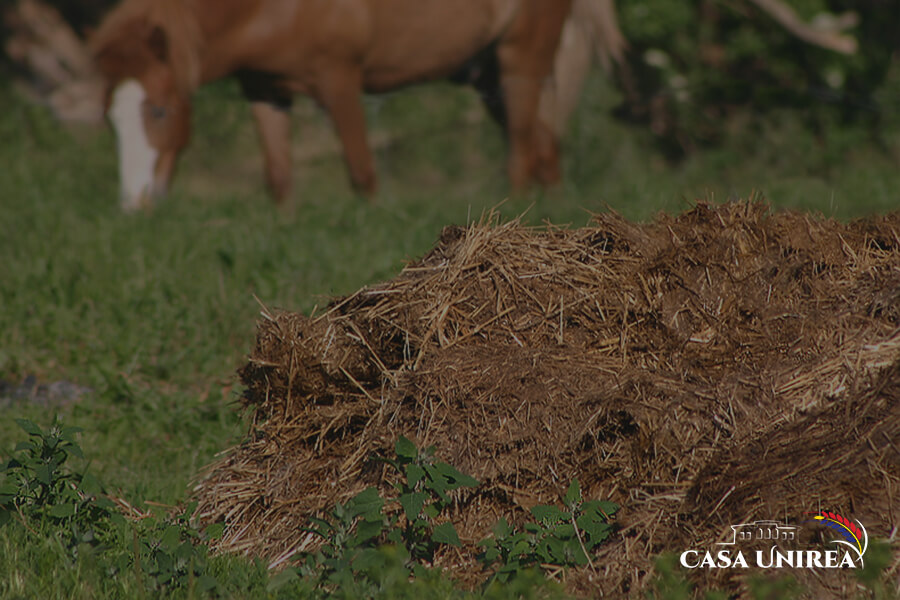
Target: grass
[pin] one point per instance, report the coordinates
(154, 312)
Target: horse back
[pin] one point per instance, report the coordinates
(394, 42)
(412, 40)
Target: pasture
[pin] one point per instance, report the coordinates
(152, 313)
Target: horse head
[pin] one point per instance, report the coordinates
(147, 105)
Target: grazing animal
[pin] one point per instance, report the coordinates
(154, 53)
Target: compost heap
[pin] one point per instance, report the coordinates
(715, 368)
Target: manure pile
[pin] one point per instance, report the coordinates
(719, 367)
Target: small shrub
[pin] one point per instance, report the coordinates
(40, 491)
(562, 537)
(172, 554)
(47, 498)
(366, 542)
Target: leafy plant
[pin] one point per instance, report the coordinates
(350, 534)
(562, 537)
(38, 488)
(423, 495)
(367, 538)
(172, 553)
(45, 496)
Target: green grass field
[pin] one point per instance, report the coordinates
(154, 312)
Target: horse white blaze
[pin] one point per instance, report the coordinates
(137, 158)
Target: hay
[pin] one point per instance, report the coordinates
(701, 370)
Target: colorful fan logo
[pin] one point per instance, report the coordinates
(854, 534)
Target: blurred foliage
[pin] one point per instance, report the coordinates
(698, 68)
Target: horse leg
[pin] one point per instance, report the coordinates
(273, 124)
(520, 93)
(547, 169)
(271, 109)
(339, 91)
(526, 59)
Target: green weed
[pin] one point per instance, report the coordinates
(563, 537)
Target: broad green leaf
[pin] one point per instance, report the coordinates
(501, 528)
(368, 529)
(405, 448)
(455, 478)
(184, 551)
(414, 474)
(214, 531)
(575, 551)
(607, 508)
(547, 514)
(445, 533)
(43, 474)
(164, 563)
(29, 427)
(412, 503)
(553, 551)
(602, 508)
(437, 483)
(573, 494)
(171, 537)
(595, 527)
(520, 547)
(5, 516)
(395, 536)
(367, 503)
(90, 485)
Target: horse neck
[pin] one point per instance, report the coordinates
(186, 38)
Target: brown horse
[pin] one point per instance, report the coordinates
(155, 53)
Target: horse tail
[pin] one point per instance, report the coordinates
(591, 30)
(601, 24)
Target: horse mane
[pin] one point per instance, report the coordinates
(176, 18)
